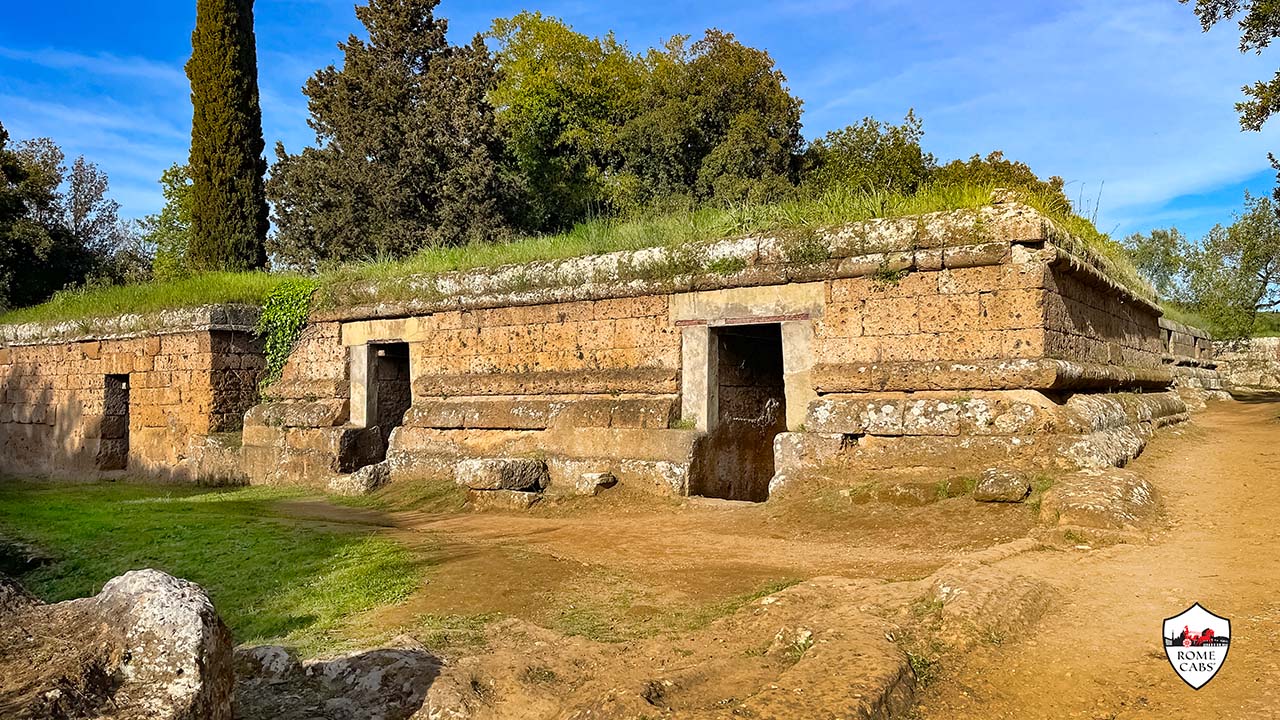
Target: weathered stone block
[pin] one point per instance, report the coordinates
(967, 256)
(501, 500)
(1109, 499)
(524, 474)
(891, 316)
(299, 414)
(362, 481)
(999, 485)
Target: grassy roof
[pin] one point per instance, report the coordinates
(676, 228)
(217, 288)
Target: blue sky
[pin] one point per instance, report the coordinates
(1127, 99)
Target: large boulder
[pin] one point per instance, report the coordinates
(148, 646)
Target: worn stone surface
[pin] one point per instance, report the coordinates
(525, 474)
(570, 477)
(363, 481)
(306, 414)
(1250, 368)
(14, 597)
(978, 602)
(502, 499)
(953, 433)
(148, 646)
(387, 683)
(999, 485)
(1107, 499)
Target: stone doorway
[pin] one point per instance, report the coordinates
(750, 410)
(113, 443)
(394, 387)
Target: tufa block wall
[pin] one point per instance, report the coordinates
(1192, 359)
(947, 342)
(1250, 368)
(148, 405)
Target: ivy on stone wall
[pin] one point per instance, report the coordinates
(284, 314)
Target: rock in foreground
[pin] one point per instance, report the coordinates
(148, 646)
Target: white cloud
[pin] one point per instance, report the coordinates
(101, 64)
(1130, 94)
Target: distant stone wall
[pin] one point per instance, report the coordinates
(147, 404)
(1250, 368)
(943, 343)
(1192, 358)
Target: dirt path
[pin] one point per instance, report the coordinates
(621, 566)
(1097, 654)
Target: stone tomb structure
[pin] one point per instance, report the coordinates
(942, 344)
(157, 396)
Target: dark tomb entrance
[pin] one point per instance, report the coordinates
(394, 393)
(750, 411)
(113, 445)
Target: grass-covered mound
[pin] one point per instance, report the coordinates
(672, 229)
(98, 302)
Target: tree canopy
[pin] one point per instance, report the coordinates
(1159, 257)
(168, 232)
(407, 151)
(58, 228)
(1230, 276)
(597, 129)
(995, 169)
(871, 156)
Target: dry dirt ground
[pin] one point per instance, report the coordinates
(619, 567)
(1097, 652)
(647, 602)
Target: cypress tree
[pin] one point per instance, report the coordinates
(229, 208)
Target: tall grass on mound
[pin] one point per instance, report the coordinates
(102, 302)
(273, 578)
(683, 227)
(679, 227)
(673, 228)
(1109, 253)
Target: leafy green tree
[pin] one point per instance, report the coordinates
(872, 156)
(168, 232)
(53, 257)
(1259, 26)
(13, 208)
(596, 129)
(562, 99)
(994, 169)
(1234, 273)
(408, 154)
(58, 228)
(720, 116)
(229, 210)
(1161, 258)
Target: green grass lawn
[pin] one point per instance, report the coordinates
(273, 579)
